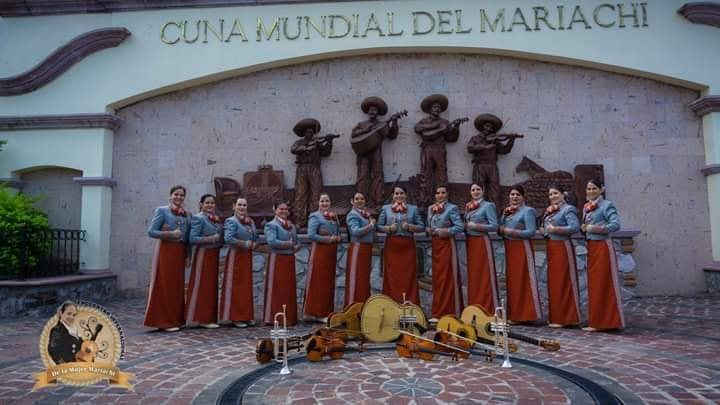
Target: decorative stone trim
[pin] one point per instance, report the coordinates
(709, 170)
(13, 183)
(95, 181)
(26, 8)
(701, 12)
(705, 105)
(37, 282)
(62, 59)
(713, 266)
(109, 121)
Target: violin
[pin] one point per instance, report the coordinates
(447, 339)
(417, 347)
(328, 342)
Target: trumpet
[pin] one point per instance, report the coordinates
(278, 334)
(501, 327)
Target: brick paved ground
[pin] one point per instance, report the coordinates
(670, 353)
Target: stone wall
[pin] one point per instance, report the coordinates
(641, 130)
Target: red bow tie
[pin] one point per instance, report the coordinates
(399, 207)
(363, 212)
(590, 206)
(329, 214)
(510, 210)
(245, 220)
(438, 208)
(179, 211)
(285, 223)
(553, 208)
(214, 218)
(472, 205)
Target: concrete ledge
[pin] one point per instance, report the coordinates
(38, 282)
(95, 181)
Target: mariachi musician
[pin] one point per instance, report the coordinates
(399, 221)
(444, 223)
(236, 300)
(281, 236)
(170, 224)
(324, 232)
(361, 227)
(518, 227)
(366, 141)
(600, 218)
(206, 234)
(481, 219)
(559, 222)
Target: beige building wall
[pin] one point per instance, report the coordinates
(58, 195)
(641, 130)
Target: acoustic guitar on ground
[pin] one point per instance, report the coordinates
(383, 319)
(348, 319)
(450, 323)
(482, 321)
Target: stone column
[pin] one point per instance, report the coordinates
(708, 108)
(95, 220)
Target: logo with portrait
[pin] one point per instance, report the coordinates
(81, 345)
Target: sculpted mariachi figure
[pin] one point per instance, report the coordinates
(600, 218)
(480, 219)
(399, 221)
(518, 227)
(206, 235)
(324, 232)
(166, 300)
(236, 301)
(559, 222)
(443, 224)
(361, 227)
(280, 282)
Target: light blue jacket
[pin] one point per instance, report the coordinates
(358, 227)
(200, 227)
(240, 235)
(601, 221)
(318, 222)
(449, 218)
(565, 220)
(485, 216)
(163, 216)
(521, 224)
(388, 217)
(276, 234)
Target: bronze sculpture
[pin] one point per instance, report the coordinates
(366, 141)
(435, 131)
(308, 179)
(485, 147)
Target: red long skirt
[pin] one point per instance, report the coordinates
(280, 289)
(166, 296)
(320, 280)
(236, 300)
(357, 275)
(604, 302)
(523, 298)
(482, 286)
(400, 269)
(562, 283)
(202, 297)
(446, 281)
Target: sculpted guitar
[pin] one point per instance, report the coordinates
(383, 319)
(443, 131)
(367, 142)
(477, 317)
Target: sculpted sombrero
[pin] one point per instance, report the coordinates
(481, 119)
(428, 101)
(374, 101)
(305, 123)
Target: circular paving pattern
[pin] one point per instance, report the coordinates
(380, 376)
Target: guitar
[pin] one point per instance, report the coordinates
(433, 134)
(383, 319)
(477, 317)
(450, 323)
(369, 141)
(89, 348)
(348, 319)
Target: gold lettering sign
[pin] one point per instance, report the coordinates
(484, 21)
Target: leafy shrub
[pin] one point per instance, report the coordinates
(23, 233)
